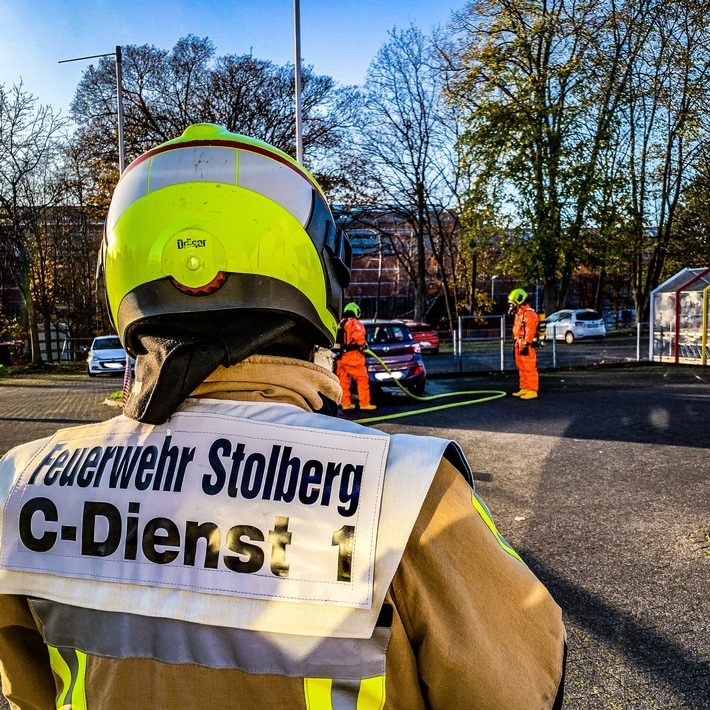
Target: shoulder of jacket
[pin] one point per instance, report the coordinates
(456, 457)
(25, 450)
(22, 454)
(16, 460)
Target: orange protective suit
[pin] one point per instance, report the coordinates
(351, 362)
(524, 329)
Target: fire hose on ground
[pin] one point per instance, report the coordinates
(485, 396)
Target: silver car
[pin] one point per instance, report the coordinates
(571, 325)
(107, 356)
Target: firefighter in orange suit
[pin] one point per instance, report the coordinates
(524, 332)
(350, 360)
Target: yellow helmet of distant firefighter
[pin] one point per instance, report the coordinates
(517, 296)
(352, 309)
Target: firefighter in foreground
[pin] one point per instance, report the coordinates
(524, 337)
(349, 359)
(226, 543)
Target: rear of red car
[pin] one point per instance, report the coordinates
(426, 336)
(393, 343)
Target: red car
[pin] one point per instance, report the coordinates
(392, 342)
(426, 336)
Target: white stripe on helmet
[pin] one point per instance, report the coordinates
(256, 172)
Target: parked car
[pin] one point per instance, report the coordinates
(12, 352)
(425, 335)
(393, 343)
(107, 357)
(571, 325)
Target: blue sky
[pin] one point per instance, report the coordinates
(339, 38)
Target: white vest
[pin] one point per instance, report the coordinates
(243, 515)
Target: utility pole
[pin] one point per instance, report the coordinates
(119, 109)
(119, 98)
(297, 66)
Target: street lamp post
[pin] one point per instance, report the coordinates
(493, 286)
(119, 110)
(297, 67)
(119, 98)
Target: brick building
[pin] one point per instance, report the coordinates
(384, 253)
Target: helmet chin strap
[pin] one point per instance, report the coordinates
(171, 366)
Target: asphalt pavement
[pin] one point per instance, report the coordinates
(602, 484)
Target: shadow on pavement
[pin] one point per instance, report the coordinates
(676, 667)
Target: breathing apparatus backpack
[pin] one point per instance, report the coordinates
(541, 332)
(340, 347)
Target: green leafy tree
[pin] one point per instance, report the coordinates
(540, 84)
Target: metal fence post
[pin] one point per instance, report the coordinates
(502, 343)
(460, 335)
(459, 346)
(638, 342)
(554, 346)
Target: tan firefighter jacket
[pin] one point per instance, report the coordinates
(251, 554)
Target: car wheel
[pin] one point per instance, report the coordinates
(417, 388)
(90, 373)
(569, 337)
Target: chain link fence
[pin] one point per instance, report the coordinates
(486, 345)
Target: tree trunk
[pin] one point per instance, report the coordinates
(598, 296)
(420, 298)
(34, 333)
(474, 276)
(23, 284)
(48, 342)
(549, 296)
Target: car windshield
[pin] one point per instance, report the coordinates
(107, 344)
(587, 315)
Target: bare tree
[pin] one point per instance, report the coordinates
(690, 245)
(78, 229)
(166, 91)
(401, 138)
(28, 144)
(666, 112)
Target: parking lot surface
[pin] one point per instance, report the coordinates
(602, 484)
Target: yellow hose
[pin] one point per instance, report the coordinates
(489, 395)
